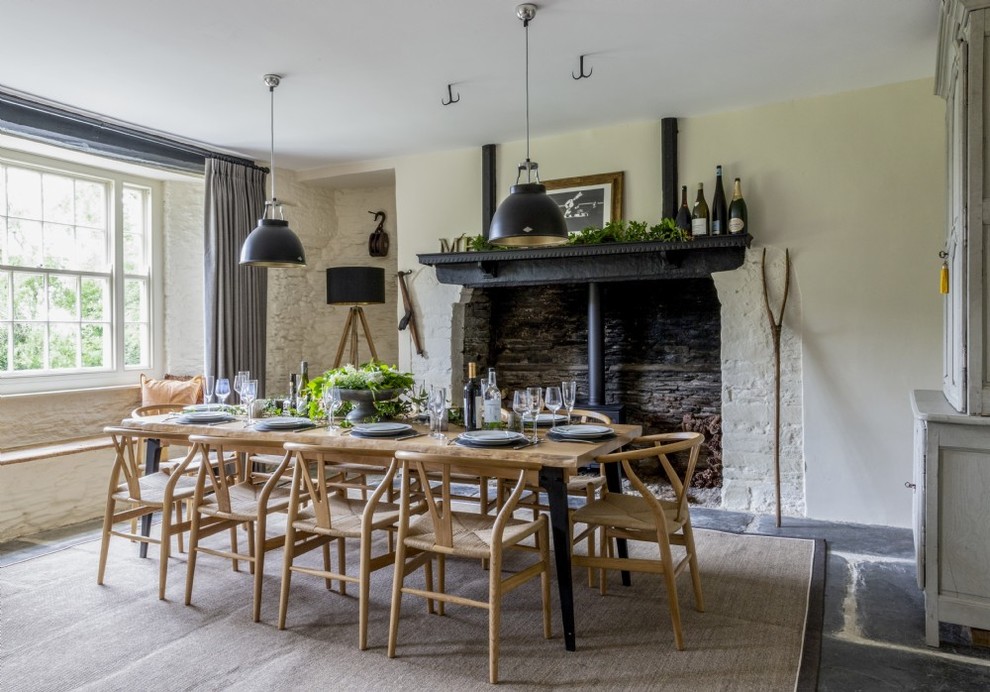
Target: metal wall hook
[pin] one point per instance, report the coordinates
(450, 96)
(582, 75)
(380, 218)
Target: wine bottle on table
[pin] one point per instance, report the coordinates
(738, 217)
(700, 219)
(473, 404)
(493, 402)
(719, 212)
(683, 220)
(290, 399)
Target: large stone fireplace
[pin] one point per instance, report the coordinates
(686, 335)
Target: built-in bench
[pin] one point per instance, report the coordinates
(20, 455)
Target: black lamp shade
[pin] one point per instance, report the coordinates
(355, 285)
(528, 218)
(273, 244)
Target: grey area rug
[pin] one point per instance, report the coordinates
(60, 631)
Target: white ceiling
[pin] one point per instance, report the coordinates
(364, 80)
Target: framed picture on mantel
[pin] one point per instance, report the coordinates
(588, 200)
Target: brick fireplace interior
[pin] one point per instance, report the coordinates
(662, 347)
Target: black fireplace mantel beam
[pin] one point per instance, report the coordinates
(590, 263)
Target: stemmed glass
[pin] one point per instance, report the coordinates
(239, 380)
(438, 404)
(249, 392)
(568, 389)
(223, 390)
(209, 382)
(331, 402)
(553, 403)
(535, 406)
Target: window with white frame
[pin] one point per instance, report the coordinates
(75, 274)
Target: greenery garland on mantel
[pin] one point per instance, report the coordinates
(613, 232)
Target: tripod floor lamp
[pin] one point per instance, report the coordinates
(355, 286)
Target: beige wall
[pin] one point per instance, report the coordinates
(851, 183)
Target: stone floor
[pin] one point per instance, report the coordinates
(873, 634)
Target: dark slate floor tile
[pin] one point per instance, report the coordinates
(849, 667)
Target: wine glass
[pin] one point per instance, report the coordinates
(554, 402)
(209, 382)
(568, 390)
(331, 402)
(239, 380)
(223, 390)
(520, 404)
(438, 404)
(249, 392)
(535, 406)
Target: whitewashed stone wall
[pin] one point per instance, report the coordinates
(74, 490)
(183, 250)
(333, 226)
(748, 388)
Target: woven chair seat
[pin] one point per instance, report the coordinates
(627, 512)
(578, 484)
(153, 489)
(472, 534)
(244, 498)
(346, 513)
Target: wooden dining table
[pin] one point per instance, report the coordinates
(559, 461)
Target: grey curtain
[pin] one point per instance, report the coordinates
(236, 296)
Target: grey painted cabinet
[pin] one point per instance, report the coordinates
(952, 513)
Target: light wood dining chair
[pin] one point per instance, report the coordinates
(444, 531)
(235, 494)
(133, 494)
(322, 511)
(644, 517)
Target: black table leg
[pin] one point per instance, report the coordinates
(552, 480)
(613, 480)
(152, 457)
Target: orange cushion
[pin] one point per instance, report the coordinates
(171, 391)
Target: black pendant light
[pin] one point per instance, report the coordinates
(272, 243)
(527, 217)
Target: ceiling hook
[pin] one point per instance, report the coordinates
(582, 75)
(450, 96)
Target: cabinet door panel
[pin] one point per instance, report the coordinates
(955, 307)
(964, 523)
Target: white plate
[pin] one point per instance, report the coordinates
(205, 417)
(544, 418)
(282, 423)
(492, 437)
(383, 429)
(583, 430)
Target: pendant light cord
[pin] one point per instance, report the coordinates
(528, 168)
(271, 121)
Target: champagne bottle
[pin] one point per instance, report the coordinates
(684, 213)
(473, 405)
(719, 213)
(493, 402)
(738, 219)
(700, 221)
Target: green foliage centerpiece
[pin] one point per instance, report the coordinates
(372, 391)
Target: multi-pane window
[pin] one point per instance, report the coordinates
(75, 272)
